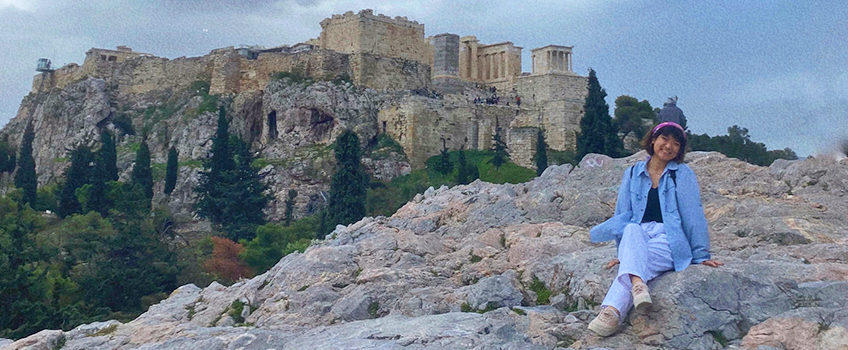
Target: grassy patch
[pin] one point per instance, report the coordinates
(373, 309)
(474, 258)
(128, 148)
(236, 308)
(191, 164)
(490, 306)
(543, 294)
(562, 157)
(519, 311)
(158, 171)
(260, 163)
(303, 288)
(719, 338)
(105, 331)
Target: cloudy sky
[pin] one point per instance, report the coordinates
(778, 68)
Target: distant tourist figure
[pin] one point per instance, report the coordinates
(518, 101)
(658, 225)
(671, 113)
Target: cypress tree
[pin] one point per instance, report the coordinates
(171, 171)
(108, 156)
(78, 175)
(597, 133)
(141, 174)
(222, 159)
(465, 173)
(541, 156)
(348, 186)
(231, 192)
(209, 188)
(499, 147)
(290, 206)
(25, 178)
(242, 196)
(444, 166)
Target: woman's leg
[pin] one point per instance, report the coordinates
(644, 253)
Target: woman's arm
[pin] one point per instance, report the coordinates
(614, 226)
(692, 214)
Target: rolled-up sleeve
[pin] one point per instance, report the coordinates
(614, 226)
(692, 214)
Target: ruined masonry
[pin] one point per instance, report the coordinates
(446, 73)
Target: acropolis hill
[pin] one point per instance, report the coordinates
(384, 54)
(425, 92)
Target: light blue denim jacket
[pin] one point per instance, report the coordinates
(683, 214)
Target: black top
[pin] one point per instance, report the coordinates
(652, 210)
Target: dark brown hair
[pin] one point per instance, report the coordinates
(677, 134)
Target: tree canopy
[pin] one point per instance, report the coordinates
(26, 178)
(348, 187)
(597, 132)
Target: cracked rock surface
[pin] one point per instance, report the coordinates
(485, 266)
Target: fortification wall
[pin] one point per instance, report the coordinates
(385, 73)
(132, 72)
(419, 124)
(381, 35)
(556, 102)
(233, 73)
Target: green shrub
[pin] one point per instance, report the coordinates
(274, 241)
(543, 294)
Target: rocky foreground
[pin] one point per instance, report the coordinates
(414, 280)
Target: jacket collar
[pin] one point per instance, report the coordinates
(642, 167)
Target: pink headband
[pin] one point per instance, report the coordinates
(664, 124)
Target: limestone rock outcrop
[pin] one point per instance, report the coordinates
(503, 250)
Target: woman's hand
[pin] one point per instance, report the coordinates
(612, 263)
(712, 263)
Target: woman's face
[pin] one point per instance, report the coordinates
(666, 147)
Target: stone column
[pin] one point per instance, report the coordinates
(474, 62)
(491, 66)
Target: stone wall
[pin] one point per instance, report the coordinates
(233, 73)
(556, 102)
(386, 73)
(446, 55)
(522, 145)
(381, 35)
(419, 124)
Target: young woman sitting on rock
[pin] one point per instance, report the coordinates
(658, 226)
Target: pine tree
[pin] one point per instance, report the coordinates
(348, 186)
(444, 166)
(290, 207)
(541, 156)
(597, 133)
(77, 176)
(171, 171)
(499, 147)
(25, 178)
(142, 174)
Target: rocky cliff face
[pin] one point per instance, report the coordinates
(289, 125)
(403, 281)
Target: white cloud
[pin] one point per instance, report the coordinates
(26, 5)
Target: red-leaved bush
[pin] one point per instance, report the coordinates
(224, 263)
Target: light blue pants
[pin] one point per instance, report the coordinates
(644, 252)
